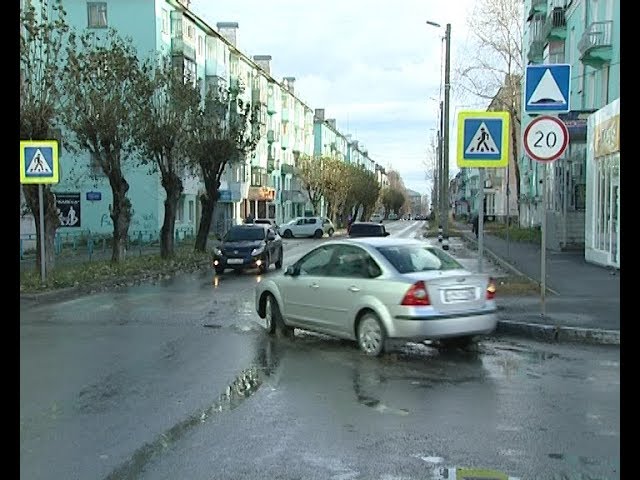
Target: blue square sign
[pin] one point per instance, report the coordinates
(547, 88)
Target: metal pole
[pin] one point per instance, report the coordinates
(441, 167)
(445, 149)
(481, 220)
(543, 231)
(42, 257)
(508, 210)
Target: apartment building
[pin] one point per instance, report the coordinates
(583, 192)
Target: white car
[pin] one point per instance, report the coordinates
(376, 217)
(307, 227)
(376, 289)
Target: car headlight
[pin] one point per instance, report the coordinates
(217, 251)
(257, 251)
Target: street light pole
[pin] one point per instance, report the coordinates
(445, 149)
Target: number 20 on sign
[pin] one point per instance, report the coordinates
(546, 138)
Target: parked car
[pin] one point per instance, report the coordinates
(266, 221)
(376, 289)
(376, 217)
(307, 227)
(248, 246)
(367, 229)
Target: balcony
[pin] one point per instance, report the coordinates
(555, 27)
(536, 39)
(181, 42)
(271, 136)
(180, 47)
(294, 196)
(595, 46)
(286, 169)
(537, 6)
(284, 142)
(271, 106)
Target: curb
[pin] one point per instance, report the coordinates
(551, 333)
(503, 263)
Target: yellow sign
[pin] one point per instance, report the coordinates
(483, 139)
(607, 137)
(39, 161)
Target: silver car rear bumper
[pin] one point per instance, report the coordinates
(421, 328)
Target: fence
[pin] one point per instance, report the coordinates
(85, 245)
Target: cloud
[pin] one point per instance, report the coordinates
(373, 66)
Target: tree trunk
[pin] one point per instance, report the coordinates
(51, 223)
(208, 205)
(120, 214)
(173, 187)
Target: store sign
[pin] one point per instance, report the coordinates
(607, 137)
(261, 194)
(68, 206)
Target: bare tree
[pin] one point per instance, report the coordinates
(161, 133)
(102, 71)
(494, 71)
(42, 35)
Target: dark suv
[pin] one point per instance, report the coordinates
(367, 229)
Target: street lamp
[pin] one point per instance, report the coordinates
(444, 198)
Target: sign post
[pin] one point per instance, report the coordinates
(545, 140)
(39, 165)
(483, 142)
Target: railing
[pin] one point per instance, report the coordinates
(85, 245)
(556, 19)
(597, 35)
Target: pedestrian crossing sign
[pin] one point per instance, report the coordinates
(39, 162)
(483, 139)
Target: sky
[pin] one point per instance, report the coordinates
(375, 66)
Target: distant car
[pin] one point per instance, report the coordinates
(266, 221)
(375, 289)
(307, 227)
(248, 246)
(367, 229)
(376, 217)
(393, 216)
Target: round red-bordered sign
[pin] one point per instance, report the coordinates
(546, 138)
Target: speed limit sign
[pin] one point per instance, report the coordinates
(546, 138)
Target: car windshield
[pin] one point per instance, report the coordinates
(238, 234)
(418, 258)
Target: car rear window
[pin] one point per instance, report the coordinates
(366, 230)
(418, 258)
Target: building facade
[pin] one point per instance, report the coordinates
(586, 35)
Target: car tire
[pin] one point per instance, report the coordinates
(279, 261)
(319, 233)
(371, 335)
(287, 234)
(330, 232)
(269, 303)
(279, 326)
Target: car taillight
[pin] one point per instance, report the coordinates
(416, 295)
(491, 289)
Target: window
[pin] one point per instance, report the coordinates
(310, 221)
(97, 14)
(190, 71)
(191, 210)
(317, 261)
(354, 262)
(165, 22)
(416, 258)
(200, 45)
(180, 212)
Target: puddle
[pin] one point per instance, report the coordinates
(246, 384)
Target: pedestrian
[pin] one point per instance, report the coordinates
(349, 222)
(474, 224)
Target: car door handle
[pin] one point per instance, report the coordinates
(314, 285)
(354, 289)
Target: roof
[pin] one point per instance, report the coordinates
(379, 241)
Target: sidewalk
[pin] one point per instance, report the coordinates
(582, 300)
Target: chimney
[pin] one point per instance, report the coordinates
(319, 115)
(229, 30)
(332, 122)
(289, 82)
(264, 62)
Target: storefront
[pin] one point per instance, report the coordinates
(259, 203)
(602, 222)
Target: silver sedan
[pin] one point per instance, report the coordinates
(376, 289)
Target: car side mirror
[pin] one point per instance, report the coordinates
(386, 234)
(291, 271)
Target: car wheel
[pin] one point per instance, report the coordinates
(269, 303)
(371, 335)
(330, 232)
(278, 322)
(287, 234)
(279, 261)
(318, 233)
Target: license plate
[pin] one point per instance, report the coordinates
(459, 295)
(235, 261)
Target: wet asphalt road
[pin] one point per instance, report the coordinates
(179, 381)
